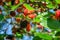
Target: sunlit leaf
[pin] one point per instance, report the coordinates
(44, 36)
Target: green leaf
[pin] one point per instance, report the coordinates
(1, 17)
(53, 24)
(57, 1)
(32, 0)
(2, 37)
(15, 6)
(44, 36)
(21, 1)
(37, 38)
(28, 7)
(50, 5)
(18, 35)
